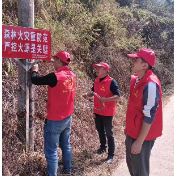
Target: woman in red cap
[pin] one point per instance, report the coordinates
(144, 113)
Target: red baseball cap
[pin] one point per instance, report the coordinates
(102, 64)
(64, 56)
(146, 54)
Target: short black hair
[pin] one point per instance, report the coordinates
(144, 61)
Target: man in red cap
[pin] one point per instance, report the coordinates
(108, 90)
(60, 106)
(144, 113)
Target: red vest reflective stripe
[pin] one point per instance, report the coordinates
(61, 98)
(135, 116)
(103, 90)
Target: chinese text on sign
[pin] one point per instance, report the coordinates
(25, 43)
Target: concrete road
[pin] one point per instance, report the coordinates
(162, 155)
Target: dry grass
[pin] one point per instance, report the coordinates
(84, 138)
(90, 39)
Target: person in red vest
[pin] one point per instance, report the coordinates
(144, 113)
(108, 90)
(60, 106)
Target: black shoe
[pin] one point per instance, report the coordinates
(100, 151)
(66, 171)
(109, 159)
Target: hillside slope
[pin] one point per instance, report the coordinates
(92, 31)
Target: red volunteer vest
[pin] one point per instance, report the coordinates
(103, 90)
(135, 116)
(61, 98)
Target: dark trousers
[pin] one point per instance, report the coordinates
(104, 128)
(138, 164)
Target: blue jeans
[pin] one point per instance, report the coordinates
(57, 132)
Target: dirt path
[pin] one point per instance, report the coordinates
(162, 157)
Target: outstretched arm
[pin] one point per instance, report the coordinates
(88, 95)
(113, 98)
(49, 79)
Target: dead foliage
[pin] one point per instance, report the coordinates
(84, 138)
(90, 39)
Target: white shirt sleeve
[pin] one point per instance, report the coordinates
(151, 98)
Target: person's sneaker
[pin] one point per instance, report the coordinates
(109, 159)
(66, 171)
(100, 151)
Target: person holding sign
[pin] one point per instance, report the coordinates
(108, 93)
(60, 107)
(144, 113)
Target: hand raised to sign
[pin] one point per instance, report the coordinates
(34, 68)
(102, 99)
